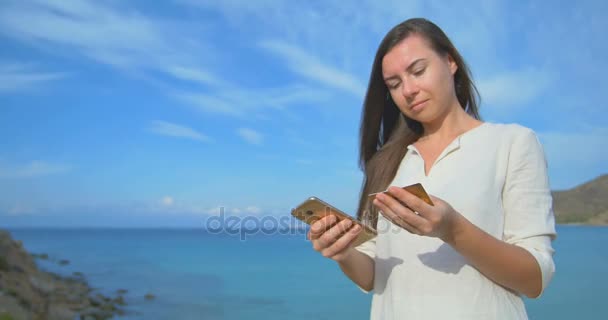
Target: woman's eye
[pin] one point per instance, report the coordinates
(419, 72)
(393, 86)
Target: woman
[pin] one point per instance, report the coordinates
(487, 239)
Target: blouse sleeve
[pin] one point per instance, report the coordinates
(527, 202)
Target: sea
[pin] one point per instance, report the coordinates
(196, 274)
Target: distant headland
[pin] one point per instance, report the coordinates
(584, 204)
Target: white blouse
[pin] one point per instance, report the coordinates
(495, 175)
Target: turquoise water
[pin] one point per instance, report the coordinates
(196, 275)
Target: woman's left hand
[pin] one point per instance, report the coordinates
(416, 216)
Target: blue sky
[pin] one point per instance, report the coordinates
(158, 113)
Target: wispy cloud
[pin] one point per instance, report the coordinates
(167, 201)
(32, 169)
(115, 34)
(514, 89)
(210, 104)
(251, 210)
(230, 101)
(18, 77)
(310, 67)
(336, 22)
(109, 33)
(94, 30)
(575, 156)
(571, 150)
(326, 45)
(195, 75)
(250, 135)
(19, 209)
(166, 208)
(333, 44)
(175, 130)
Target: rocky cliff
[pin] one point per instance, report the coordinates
(29, 293)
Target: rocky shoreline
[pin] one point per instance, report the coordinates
(29, 293)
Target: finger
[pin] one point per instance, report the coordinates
(320, 226)
(343, 242)
(410, 200)
(386, 212)
(396, 219)
(330, 236)
(406, 214)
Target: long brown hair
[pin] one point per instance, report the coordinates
(385, 131)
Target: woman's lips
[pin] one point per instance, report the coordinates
(418, 105)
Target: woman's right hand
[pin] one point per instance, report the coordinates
(332, 237)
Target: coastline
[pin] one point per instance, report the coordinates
(26, 292)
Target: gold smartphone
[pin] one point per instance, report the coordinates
(314, 209)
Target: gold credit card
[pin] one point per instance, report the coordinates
(415, 189)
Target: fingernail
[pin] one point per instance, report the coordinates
(356, 228)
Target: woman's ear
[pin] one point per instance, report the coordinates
(452, 64)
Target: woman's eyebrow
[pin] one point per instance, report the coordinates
(409, 68)
(413, 64)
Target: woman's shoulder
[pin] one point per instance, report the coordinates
(509, 135)
(509, 131)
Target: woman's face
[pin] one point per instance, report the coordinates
(420, 81)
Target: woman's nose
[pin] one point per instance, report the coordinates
(409, 89)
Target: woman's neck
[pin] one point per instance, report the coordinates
(453, 123)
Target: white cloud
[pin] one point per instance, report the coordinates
(20, 209)
(93, 29)
(32, 170)
(514, 89)
(575, 149)
(230, 101)
(210, 104)
(233, 211)
(312, 68)
(176, 130)
(18, 77)
(109, 33)
(336, 23)
(333, 45)
(195, 75)
(115, 34)
(253, 210)
(167, 201)
(215, 211)
(576, 156)
(250, 135)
